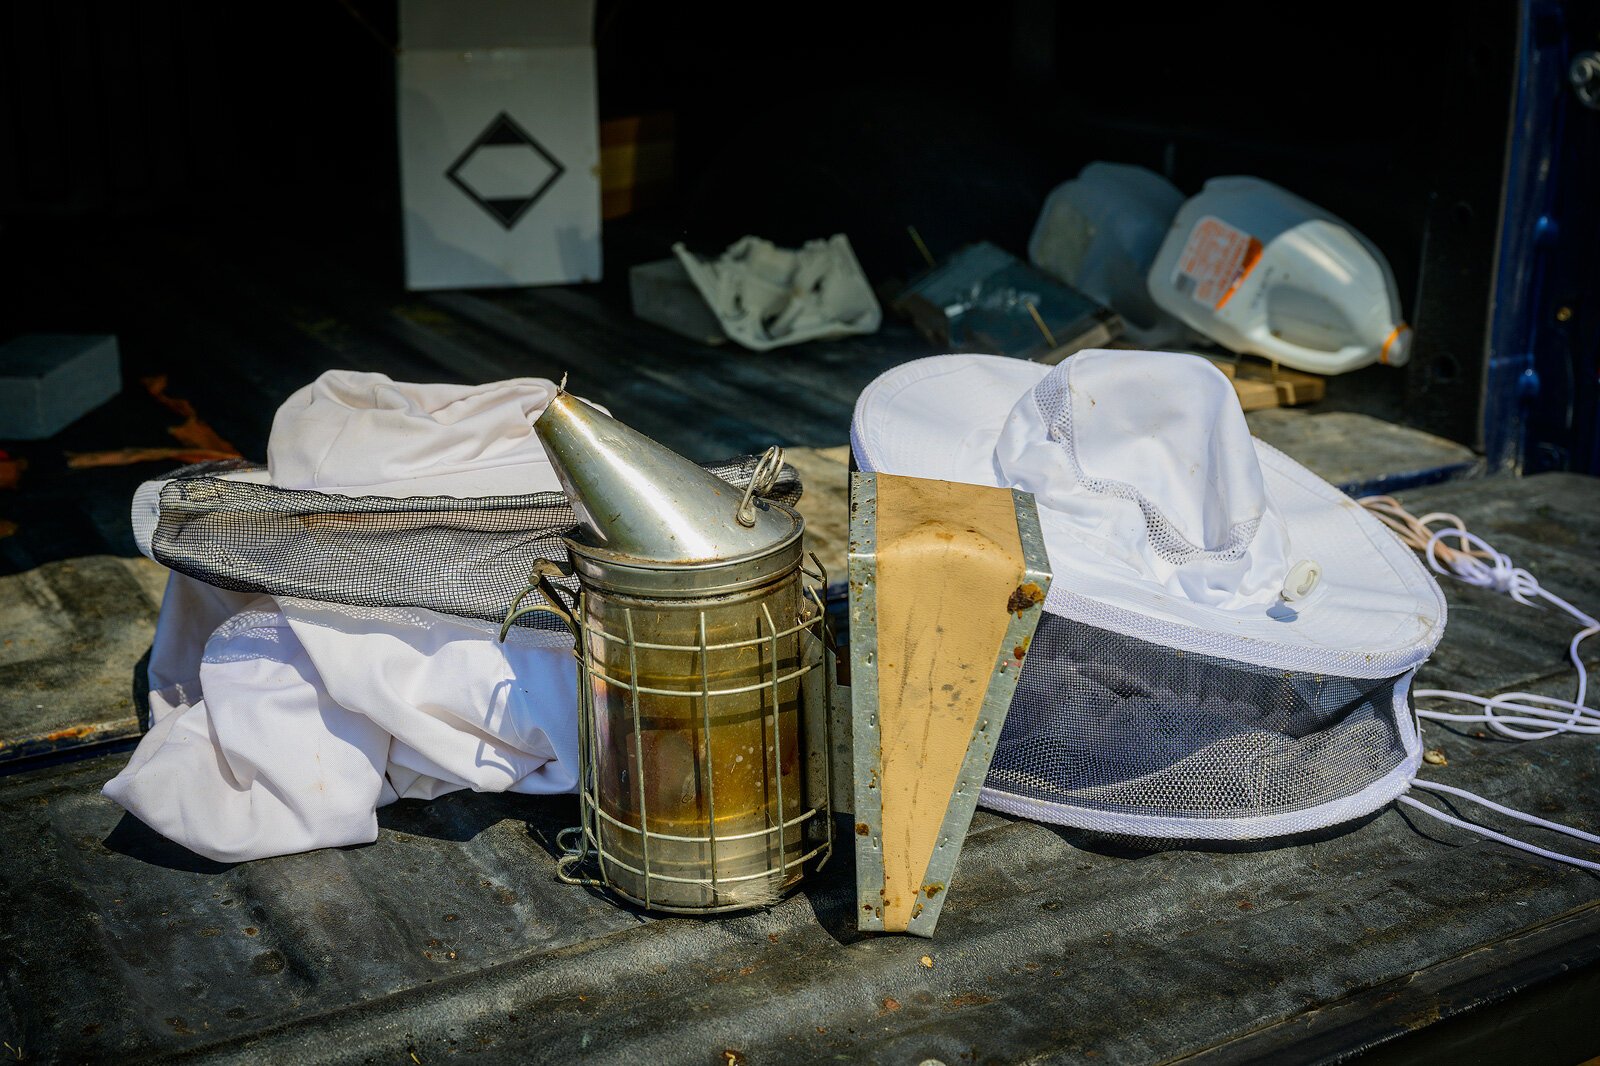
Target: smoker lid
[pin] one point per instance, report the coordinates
(637, 498)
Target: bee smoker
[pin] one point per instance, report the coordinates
(702, 685)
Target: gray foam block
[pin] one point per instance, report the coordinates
(50, 380)
(663, 294)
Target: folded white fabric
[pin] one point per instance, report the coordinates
(281, 725)
(765, 297)
(364, 435)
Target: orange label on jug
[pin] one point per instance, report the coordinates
(1214, 261)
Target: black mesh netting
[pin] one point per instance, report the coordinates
(1120, 725)
(465, 557)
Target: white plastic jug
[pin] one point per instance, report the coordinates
(1261, 271)
(1100, 232)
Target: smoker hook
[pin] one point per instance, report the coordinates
(574, 851)
(762, 479)
(539, 581)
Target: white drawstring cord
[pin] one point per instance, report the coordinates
(1436, 786)
(1520, 845)
(1509, 712)
(1518, 715)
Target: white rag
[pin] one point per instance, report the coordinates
(280, 725)
(766, 297)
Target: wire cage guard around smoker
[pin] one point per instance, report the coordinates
(713, 860)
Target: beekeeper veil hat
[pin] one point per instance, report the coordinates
(1228, 640)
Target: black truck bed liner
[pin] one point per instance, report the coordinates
(450, 937)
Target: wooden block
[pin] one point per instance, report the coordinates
(636, 162)
(1255, 395)
(1296, 387)
(1261, 385)
(946, 586)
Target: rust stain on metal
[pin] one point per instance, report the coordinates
(863, 829)
(1023, 597)
(971, 999)
(933, 888)
(1423, 1018)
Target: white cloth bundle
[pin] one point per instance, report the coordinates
(766, 297)
(280, 725)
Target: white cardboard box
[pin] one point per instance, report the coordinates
(499, 143)
(49, 381)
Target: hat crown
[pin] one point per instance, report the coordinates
(1148, 456)
(1170, 428)
(638, 498)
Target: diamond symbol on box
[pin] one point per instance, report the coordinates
(505, 170)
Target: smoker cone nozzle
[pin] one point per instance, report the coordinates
(638, 498)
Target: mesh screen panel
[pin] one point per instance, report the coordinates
(1115, 724)
(465, 557)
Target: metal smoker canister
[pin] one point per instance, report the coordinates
(702, 697)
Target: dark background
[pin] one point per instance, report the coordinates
(861, 117)
(251, 125)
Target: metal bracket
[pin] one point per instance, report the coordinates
(866, 726)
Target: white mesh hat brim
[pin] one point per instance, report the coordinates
(1375, 613)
